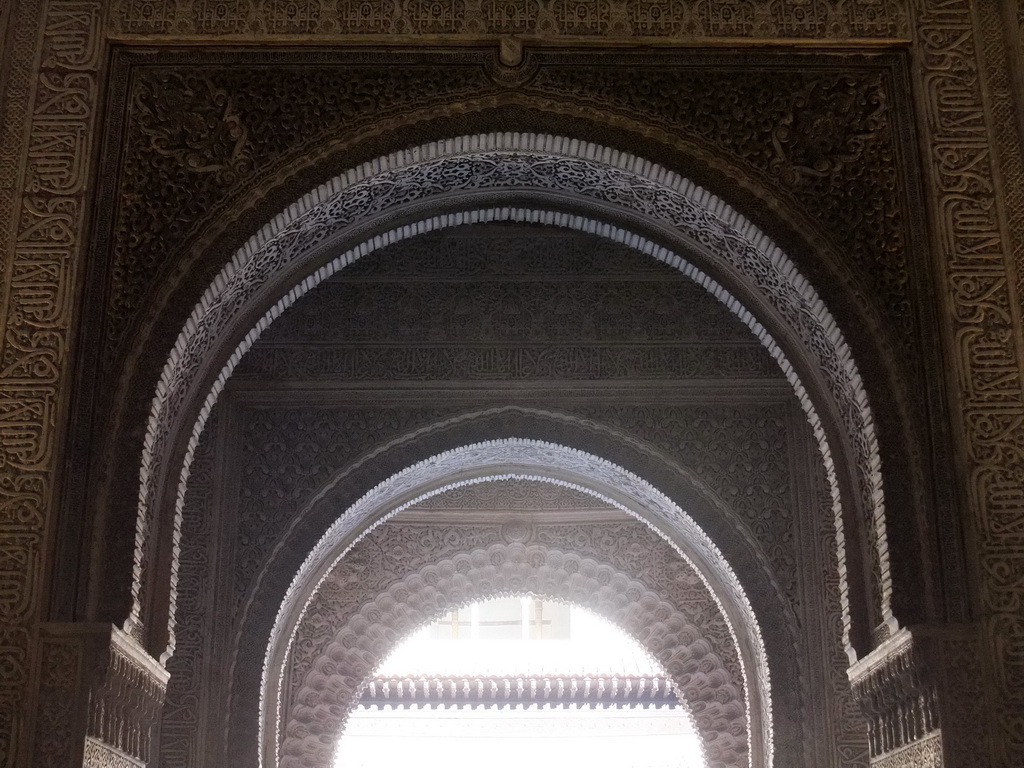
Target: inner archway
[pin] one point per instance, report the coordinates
(726, 440)
(520, 679)
(326, 685)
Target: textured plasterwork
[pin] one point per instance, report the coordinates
(536, 460)
(396, 549)
(361, 641)
(506, 303)
(583, 172)
(51, 85)
(973, 166)
(964, 173)
(926, 753)
(616, 20)
(300, 466)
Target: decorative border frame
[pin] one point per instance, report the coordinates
(957, 49)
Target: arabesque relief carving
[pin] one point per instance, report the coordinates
(282, 478)
(182, 743)
(978, 261)
(920, 754)
(899, 700)
(269, 486)
(287, 453)
(507, 307)
(44, 174)
(414, 175)
(94, 674)
(970, 189)
(609, 19)
(397, 549)
(822, 139)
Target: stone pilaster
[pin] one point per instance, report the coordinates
(920, 692)
(98, 697)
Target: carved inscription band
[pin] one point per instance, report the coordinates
(37, 277)
(533, 460)
(614, 19)
(977, 259)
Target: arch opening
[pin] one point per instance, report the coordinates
(734, 734)
(514, 677)
(615, 183)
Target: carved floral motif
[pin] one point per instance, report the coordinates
(976, 248)
(94, 674)
(186, 706)
(507, 306)
(826, 140)
(944, 38)
(741, 451)
(921, 754)
(822, 139)
(898, 696)
(670, 200)
(192, 123)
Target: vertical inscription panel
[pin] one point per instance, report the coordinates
(973, 244)
(37, 304)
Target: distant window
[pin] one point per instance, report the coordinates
(507, 618)
(424, 713)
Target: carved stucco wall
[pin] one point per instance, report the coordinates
(819, 650)
(739, 451)
(396, 549)
(665, 19)
(50, 108)
(506, 303)
(51, 84)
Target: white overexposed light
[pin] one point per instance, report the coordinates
(487, 639)
(595, 738)
(593, 646)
